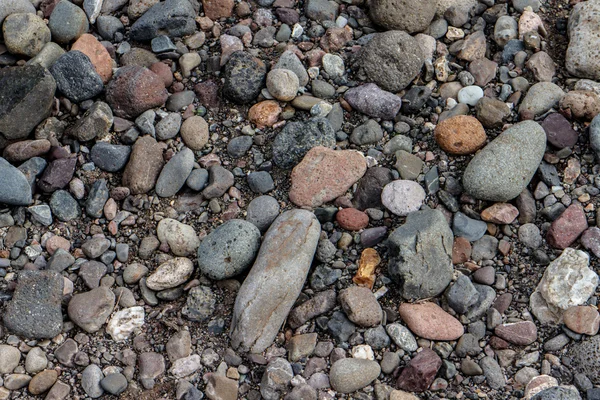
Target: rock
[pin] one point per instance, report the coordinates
(25, 34)
(470, 95)
(264, 113)
(144, 165)
(361, 306)
(500, 213)
(170, 274)
(276, 378)
(420, 372)
(582, 319)
(297, 138)
(282, 84)
(301, 346)
(430, 321)
(566, 229)
(94, 206)
(567, 282)
(35, 308)
(244, 77)
(324, 175)
(519, 333)
(67, 22)
(36, 360)
(14, 7)
(321, 10)
(215, 10)
(9, 358)
(558, 393)
(370, 186)
(175, 172)
(90, 310)
(369, 99)
(42, 381)
(351, 374)
(580, 104)
(584, 354)
(200, 304)
(174, 18)
(462, 295)
(392, 60)
(23, 89)
(580, 57)
(402, 15)
(461, 134)
(493, 373)
(321, 303)
(505, 166)
(114, 383)
(14, 187)
(124, 322)
(559, 131)
(421, 255)
(220, 180)
(289, 60)
(76, 76)
(542, 66)
(540, 98)
(491, 112)
(98, 55)
(275, 280)
(221, 388)
(262, 211)
(168, 127)
(474, 47)
(403, 197)
(260, 182)
(367, 133)
(151, 365)
(135, 89)
(591, 240)
(352, 219)
(228, 250)
(96, 122)
(90, 381)
(181, 238)
(110, 157)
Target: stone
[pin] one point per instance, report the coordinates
(220, 180)
(110, 157)
(567, 281)
(369, 99)
(324, 175)
(260, 182)
(275, 280)
(23, 89)
(90, 381)
(276, 377)
(264, 113)
(361, 306)
(392, 60)
(181, 238)
(421, 255)
(15, 189)
(262, 211)
(244, 77)
(175, 172)
(301, 346)
(194, 132)
(9, 358)
(402, 15)
(35, 308)
(76, 76)
(505, 166)
(96, 122)
(581, 57)
(14, 7)
(590, 240)
(221, 388)
(580, 104)
(500, 213)
(351, 374)
(460, 135)
(367, 133)
(352, 219)
(462, 295)
(124, 322)
(36, 360)
(420, 372)
(282, 84)
(25, 34)
(519, 333)
(430, 321)
(567, 227)
(559, 131)
(540, 98)
(491, 112)
(98, 55)
(321, 10)
(200, 304)
(170, 274)
(493, 373)
(403, 197)
(174, 18)
(582, 319)
(321, 303)
(67, 22)
(474, 47)
(228, 250)
(135, 89)
(42, 381)
(90, 310)
(289, 60)
(470, 95)
(370, 186)
(297, 138)
(144, 165)
(542, 66)
(114, 383)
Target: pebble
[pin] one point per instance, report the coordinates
(114, 384)
(124, 322)
(144, 166)
(500, 213)
(351, 374)
(133, 90)
(582, 319)
(430, 321)
(219, 181)
(67, 22)
(282, 84)
(461, 135)
(200, 304)
(25, 34)
(297, 138)
(98, 55)
(170, 274)
(194, 132)
(579, 60)
(90, 310)
(420, 372)
(76, 76)
(244, 77)
(567, 227)
(540, 98)
(9, 358)
(159, 20)
(519, 333)
(110, 157)
(15, 188)
(470, 95)
(559, 131)
(402, 197)
(174, 173)
(369, 99)
(361, 306)
(90, 381)
(42, 381)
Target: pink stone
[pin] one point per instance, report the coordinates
(430, 321)
(519, 333)
(352, 219)
(567, 228)
(500, 213)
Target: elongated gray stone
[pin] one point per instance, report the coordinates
(275, 280)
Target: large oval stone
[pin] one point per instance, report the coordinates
(505, 166)
(275, 280)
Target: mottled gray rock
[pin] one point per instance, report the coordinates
(76, 76)
(67, 22)
(297, 138)
(505, 166)
(558, 393)
(403, 15)
(275, 280)
(90, 381)
(200, 304)
(110, 157)
(262, 211)
(462, 295)
(174, 18)
(97, 198)
(369, 99)
(540, 98)
(421, 255)
(14, 187)
(351, 374)
(15, 6)
(276, 378)
(180, 237)
(582, 54)
(90, 310)
(64, 206)
(289, 60)
(174, 174)
(493, 373)
(96, 122)
(229, 249)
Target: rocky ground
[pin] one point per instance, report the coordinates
(380, 199)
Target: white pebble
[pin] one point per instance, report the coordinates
(470, 95)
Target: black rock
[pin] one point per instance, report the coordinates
(370, 186)
(238, 146)
(174, 18)
(415, 99)
(76, 76)
(35, 309)
(244, 77)
(297, 138)
(23, 90)
(110, 157)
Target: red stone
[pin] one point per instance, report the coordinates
(567, 228)
(164, 72)
(461, 250)
(420, 371)
(217, 9)
(519, 333)
(135, 89)
(352, 219)
(498, 344)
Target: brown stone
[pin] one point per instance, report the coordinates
(567, 228)
(336, 38)
(324, 175)
(520, 333)
(361, 306)
(135, 89)
(430, 321)
(483, 70)
(43, 381)
(217, 9)
(420, 372)
(57, 174)
(265, 113)
(144, 165)
(352, 219)
(98, 55)
(461, 250)
(581, 104)
(500, 213)
(208, 94)
(194, 132)
(582, 319)
(474, 47)
(461, 134)
(57, 242)
(164, 72)
(22, 151)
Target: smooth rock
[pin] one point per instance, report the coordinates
(430, 321)
(351, 374)
(170, 274)
(403, 197)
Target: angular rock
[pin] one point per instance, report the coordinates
(135, 89)
(110, 157)
(90, 310)
(170, 274)
(297, 138)
(76, 76)
(566, 229)
(420, 372)
(174, 18)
